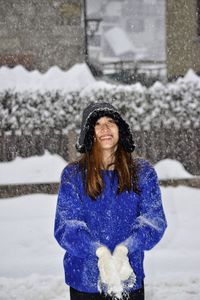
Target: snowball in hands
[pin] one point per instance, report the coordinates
(122, 263)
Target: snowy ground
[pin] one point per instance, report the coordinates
(48, 167)
(45, 168)
(31, 261)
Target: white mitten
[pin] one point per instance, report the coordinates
(105, 264)
(108, 272)
(122, 263)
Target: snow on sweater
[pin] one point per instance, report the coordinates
(82, 224)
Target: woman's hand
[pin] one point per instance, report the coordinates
(105, 264)
(115, 270)
(124, 269)
(108, 273)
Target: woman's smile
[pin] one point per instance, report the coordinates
(106, 137)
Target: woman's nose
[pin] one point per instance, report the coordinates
(104, 126)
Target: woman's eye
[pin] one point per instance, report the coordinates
(109, 121)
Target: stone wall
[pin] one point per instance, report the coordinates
(48, 32)
(183, 42)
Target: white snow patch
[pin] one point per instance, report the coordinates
(169, 168)
(191, 76)
(172, 267)
(32, 287)
(20, 80)
(35, 169)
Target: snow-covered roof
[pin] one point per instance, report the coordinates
(119, 41)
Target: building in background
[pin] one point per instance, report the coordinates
(41, 34)
(130, 35)
(153, 36)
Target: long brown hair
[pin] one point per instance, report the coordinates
(124, 164)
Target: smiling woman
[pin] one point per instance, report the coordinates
(107, 135)
(109, 210)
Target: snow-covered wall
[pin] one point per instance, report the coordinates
(20, 80)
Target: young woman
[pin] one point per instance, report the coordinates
(109, 210)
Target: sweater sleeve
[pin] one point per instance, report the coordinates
(70, 229)
(150, 225)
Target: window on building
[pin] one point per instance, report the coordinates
(198, 18)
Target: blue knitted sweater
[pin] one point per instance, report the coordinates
(82, 224)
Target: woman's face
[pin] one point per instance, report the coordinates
(106, 132)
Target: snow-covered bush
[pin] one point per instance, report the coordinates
(173, 104)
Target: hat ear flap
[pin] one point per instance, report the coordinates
(89, 137)
(125, 137)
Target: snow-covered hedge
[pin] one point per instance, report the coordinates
(175, 104)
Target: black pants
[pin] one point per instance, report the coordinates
(76, 295)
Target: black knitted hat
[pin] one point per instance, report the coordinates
(90, 115)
